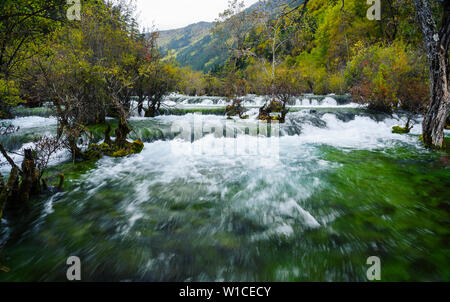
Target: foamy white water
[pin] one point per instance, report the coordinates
(31, 122)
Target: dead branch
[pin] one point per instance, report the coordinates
(9, 159)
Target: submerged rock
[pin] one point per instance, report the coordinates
(345, 116)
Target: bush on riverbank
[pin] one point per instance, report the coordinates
(388, 78)
(9, 97)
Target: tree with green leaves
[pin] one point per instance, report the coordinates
(24, 24)
(159, 79)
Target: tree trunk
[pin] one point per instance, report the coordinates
(108, 136)
(8, 189)
(151, 110)
(73, 146)
(122, 132)
(140, 106)
(2, 184)
(436, 43)
(30, 177)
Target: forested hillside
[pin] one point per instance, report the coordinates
(197, 47)
(176, 39)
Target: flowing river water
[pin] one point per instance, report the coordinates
(309, 202)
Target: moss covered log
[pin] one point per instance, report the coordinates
(400, 130)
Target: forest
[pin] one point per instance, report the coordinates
(111, 143)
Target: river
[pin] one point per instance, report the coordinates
(213, 199)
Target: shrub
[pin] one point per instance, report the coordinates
(9, 97)
(388, 77)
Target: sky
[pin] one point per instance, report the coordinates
(171, 14)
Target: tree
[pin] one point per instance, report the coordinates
(437, 39)
(388, 77)
(257, 34)
(437, 42)
(23, 23)
(261, 44)
(9, 96)
(233, 28)
(146, 52)
(158, 79)
(87, 70)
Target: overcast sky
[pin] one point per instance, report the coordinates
(170, 14)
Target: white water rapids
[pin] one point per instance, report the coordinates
(226, 201)
(360, 132)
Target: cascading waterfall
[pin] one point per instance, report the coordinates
(176, 101)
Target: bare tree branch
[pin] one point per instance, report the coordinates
(8, 158)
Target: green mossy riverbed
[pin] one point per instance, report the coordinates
(338, 194)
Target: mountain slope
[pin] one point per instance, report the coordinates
(196, 47)
(182, 37)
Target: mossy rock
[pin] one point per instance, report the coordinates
(400, 130)
(138, 146)
(120, 153)
(104, 147)
(269, 118)
(231, 110)
(131, 148)
(93, 153)
(447, 127)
